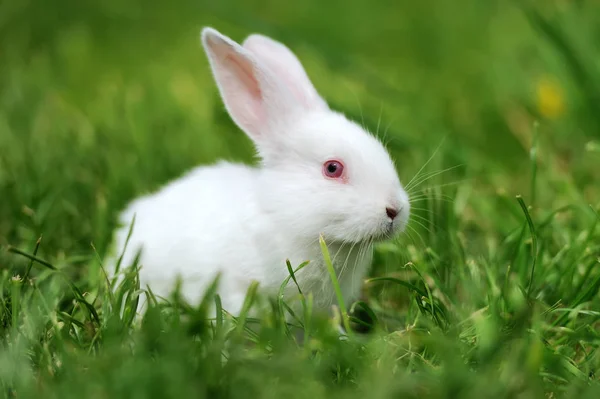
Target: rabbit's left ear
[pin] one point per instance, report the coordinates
(258, 101)
(282, 61)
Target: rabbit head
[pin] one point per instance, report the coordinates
(321, 173)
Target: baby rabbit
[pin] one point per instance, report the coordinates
(319, 173)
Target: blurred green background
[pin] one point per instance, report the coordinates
(100, 101)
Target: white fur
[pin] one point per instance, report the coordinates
(246, 221)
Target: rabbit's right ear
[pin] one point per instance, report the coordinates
(281, 60)
(255, 98)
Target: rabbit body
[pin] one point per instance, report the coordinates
(320, 174)
(198, 244)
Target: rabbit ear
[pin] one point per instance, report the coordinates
(255, 98)
(281, 60)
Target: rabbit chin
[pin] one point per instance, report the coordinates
(384, 232)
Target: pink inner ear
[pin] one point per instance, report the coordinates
(246, 99)
(284, 63)
(247, 76)
(286, 73)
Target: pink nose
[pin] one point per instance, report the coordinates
(391, 212)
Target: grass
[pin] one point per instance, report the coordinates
(492, 292)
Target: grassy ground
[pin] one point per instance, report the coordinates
(487, 295)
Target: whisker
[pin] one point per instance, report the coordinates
(388, 127)
(421, 209)
(423, 197)
(448, 200)
(362, 118)
(419, 245)
(426, 163)
(344, 265)
(428, 176)
(366, 248)
(386, 131)
(338, 251)
(420, 217)
(425, 220)
(346, 261)
(422, 225)
(454, 183)
(361, 252)
(418, 234)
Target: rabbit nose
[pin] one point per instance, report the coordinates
(391, 212)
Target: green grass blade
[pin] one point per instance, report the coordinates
(30, 265)
(336, 285)
(534, 245)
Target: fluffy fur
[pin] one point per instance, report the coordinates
(246, 221)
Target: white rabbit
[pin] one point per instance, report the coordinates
(319, 174)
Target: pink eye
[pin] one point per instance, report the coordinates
(333, 169)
